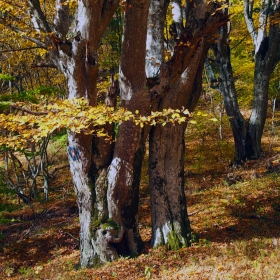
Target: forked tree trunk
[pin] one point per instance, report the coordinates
(89, 157)
(266, 40)
(107, 182)
(247, 137)
(118, 234)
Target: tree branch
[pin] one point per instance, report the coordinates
(22, 33)
(108, 9)
(37, 16)
(20, 49)
(195, 212)
(185, 49)
(61, 20)
(29, 111)
(248, 7)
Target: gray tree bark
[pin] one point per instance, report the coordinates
(227, 88)
(247, 135)
(73, 49)
(170, 222)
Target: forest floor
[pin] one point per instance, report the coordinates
(234, 214)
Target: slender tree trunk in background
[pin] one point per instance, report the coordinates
(227, 88)
(247, 137)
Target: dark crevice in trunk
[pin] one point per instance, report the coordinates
(130, 209)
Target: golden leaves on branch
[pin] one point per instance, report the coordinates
(30, 123)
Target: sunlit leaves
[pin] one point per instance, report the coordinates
(80, 117)
(33, 122)
(72, 3)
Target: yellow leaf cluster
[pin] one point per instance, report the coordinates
(34, 122)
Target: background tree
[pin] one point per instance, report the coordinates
(266, 39)
(265, 35)
(228, 89)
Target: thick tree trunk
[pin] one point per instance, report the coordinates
(89, 159)
(227, 88)
(79, 150)
(89, 156)
(123, 188)
(118, 234)
(108, 197)
(170, 223)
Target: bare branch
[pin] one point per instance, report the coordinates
(20, 49)
(48, 65)
(29, 111)
(195, 212)
(185, 49)
(109, 8)
(38, 18)
(22, 33)
(248, 7)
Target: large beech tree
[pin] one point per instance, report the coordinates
(106, 176)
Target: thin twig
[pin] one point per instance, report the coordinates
(49, 65)
(59, 168)
(71, 235)
(20, 49)
(29, 111)
(195, 212)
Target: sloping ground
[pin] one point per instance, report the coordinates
(234, 213)
(237, 226)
